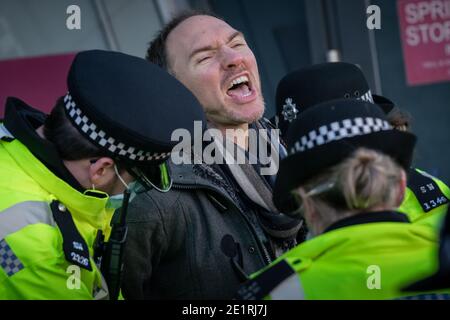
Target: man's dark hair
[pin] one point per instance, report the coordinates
(69, 142)
(156, 51)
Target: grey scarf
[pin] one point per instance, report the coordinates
(259, 189)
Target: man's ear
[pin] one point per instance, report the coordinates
(402, 189)
(100, 171)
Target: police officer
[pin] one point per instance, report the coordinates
(63, 175)
(440, 279)
(426, 199)
(348, 175)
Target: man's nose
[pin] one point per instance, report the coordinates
(231, 58)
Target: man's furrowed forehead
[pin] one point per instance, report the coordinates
(200, 31)
(196, 26)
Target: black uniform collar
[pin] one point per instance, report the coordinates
(369, 217)
(22, 121)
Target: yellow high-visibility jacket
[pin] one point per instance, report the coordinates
(43, 255)
(371, 259)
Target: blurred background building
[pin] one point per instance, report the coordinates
(407, 60)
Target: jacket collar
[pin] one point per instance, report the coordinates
(200, 174)
(197, 175)
(369, 233)
(369, 217)
(203, 176)
(89, 206)
(22, 121)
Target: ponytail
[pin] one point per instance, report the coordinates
(368, 179)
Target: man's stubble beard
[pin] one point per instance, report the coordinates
(233, 118)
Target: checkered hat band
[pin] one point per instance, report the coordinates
(99, 137)
(366, 97)
(339, 130)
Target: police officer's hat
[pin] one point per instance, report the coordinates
(306, 87)
(327, 134)
(128, 107)
(386, 104)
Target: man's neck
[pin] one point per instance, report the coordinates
(236, 133)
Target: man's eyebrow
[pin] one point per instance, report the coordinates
(234, 35)
(209, 48)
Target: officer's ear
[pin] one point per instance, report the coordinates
(401, 189)
(307, 208)
(101, 171)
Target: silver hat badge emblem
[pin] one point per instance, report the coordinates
(290, 110)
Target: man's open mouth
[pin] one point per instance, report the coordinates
(240, 87)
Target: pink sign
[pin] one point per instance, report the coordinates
(425, 34)
(39, 81)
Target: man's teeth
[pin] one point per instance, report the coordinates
(238, 81)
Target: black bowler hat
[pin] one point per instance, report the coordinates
(304, 88)
(330, 132)
(440, 279)
(128, 107)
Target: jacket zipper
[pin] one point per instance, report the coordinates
(263, 248)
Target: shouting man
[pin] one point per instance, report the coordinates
(218, 224)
